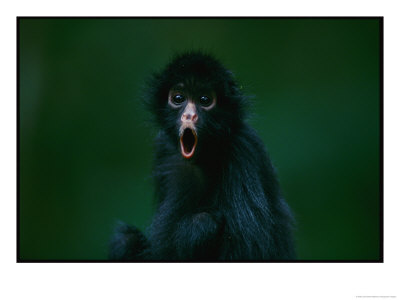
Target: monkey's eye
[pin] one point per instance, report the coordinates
(205, 101)
(178, 99)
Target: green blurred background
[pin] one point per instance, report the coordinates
(86, 142)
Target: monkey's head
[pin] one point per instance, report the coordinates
(197, 103)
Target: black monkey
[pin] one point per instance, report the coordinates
(217, 192)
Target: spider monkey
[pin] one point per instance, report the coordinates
(217, 192)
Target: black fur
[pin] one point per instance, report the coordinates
(225, 202)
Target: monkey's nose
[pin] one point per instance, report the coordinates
(189, 117)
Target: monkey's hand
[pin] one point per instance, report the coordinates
(128, 243)
(197, 236)
(204, 224)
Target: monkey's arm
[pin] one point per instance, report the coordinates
(127, 243)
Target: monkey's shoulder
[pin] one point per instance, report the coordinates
(248, 144)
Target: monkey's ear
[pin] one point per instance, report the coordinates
(154, 95)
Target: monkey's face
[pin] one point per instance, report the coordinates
(197, 104)
(192, 107)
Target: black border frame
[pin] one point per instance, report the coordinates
(381, 140)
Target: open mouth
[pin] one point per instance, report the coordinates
(188, 142)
